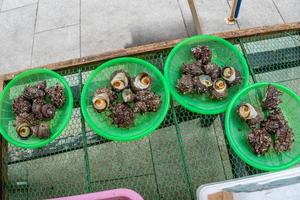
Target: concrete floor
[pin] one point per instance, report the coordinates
(38, 32)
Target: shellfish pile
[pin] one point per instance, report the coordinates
(202, 76)
(36, 105)
(265, 130)
(126, 97)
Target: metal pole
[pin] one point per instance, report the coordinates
(237, 10)
(195, 16)
(231, 20)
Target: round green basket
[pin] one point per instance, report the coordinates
(223, 53)
(14, 89)
(144, 124)
(237, 130)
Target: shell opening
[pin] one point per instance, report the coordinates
(100, 104)
(23, 130)
(229, 73)
(142, 81)
(119, 81)
(101, 101)
(244, 111)
(247, 111)
(206, 80)
(220, 86)
(145, 80)
(118, 84)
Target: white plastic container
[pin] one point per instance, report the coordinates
(269, 186)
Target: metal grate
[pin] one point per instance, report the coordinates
(188, 149)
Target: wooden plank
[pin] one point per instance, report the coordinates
(3, 161)
(263, 30)
(159, 47)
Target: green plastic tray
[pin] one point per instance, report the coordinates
(144, 124)
(223, 53)
(14, 88)
(237, 130)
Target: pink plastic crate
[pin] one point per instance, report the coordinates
(117, 194)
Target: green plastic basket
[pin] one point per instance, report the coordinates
(223, 53)
(144, 124)
(237, 130)
(14, 89)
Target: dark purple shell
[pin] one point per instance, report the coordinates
(140, 107)
(152, 101)
(284, 139)
(185, 84)
(274, 121)
(272, 99)
(57, 95)
(41, 131)
(260, 141)
(213, 70)
(41, 85)
(218, 95)
(122, 115)
(111, 94)
(202, 53)
(37, 108)
(193, 69)
(27, 118)
(32, 92)
(48, 111)
(21, 105)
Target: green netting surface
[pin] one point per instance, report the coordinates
(187, 150)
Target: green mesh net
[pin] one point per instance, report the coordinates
(188, 150)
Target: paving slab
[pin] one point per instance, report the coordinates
(16, 35)
(58, 175)
(56, 45)
(220, 136)
(11, 4)
(212, 16)
(115, 160)
(290, 10)
(57, 13)
(54, 176)
(254, 13)
(202, 153)
(110, 25)
(171, 179)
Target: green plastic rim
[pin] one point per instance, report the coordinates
(58, 124)
(223, 53)
(147, 123)
(271, 161)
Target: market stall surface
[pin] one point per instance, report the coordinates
(188, 149)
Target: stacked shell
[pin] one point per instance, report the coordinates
(126, 97)
(202, 76)
(273, 129)
(36, 105)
